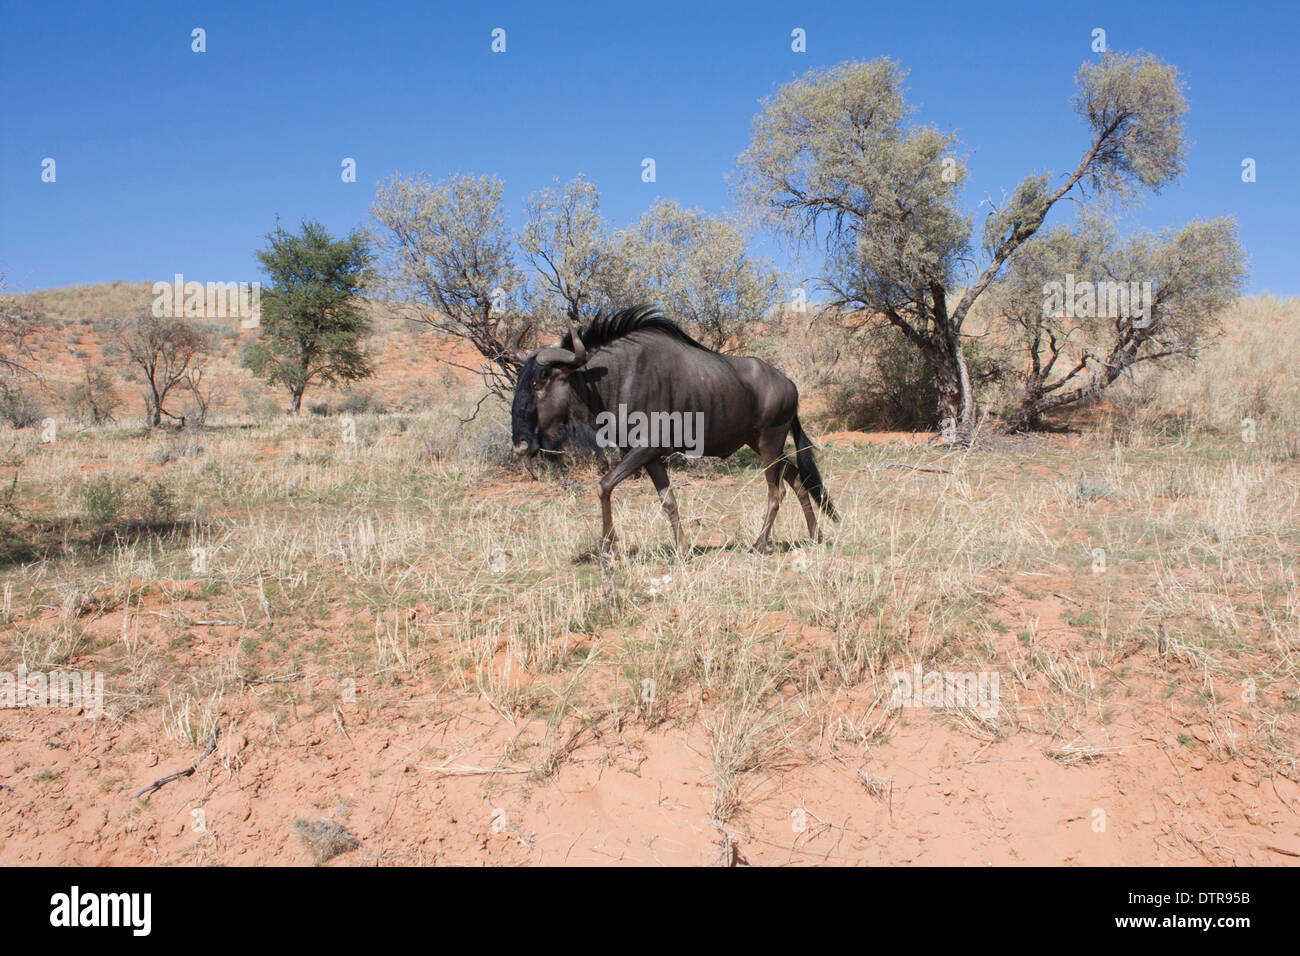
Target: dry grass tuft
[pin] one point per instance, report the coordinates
(324, 839)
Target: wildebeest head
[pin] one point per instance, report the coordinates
(545, 398)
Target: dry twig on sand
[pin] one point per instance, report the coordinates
(188, 771)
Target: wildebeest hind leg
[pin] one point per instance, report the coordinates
(771, 444)
(658, 473)
(800, 492)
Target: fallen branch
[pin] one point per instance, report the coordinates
(286, 679)
(464, 770)
(163, 781)
(937, 471)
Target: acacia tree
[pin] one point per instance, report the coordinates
(313, 320)
(699, 269)
(578, 268)
(834, 158)
(695, 266)
(165, 350)
(1087, 307)
(445, 253)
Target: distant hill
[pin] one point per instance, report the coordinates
(121, 299)
(101, 300)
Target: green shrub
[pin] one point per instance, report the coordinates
(103, 499)
(109, 502)
(157, 504)
(893, 388)
(360, 403)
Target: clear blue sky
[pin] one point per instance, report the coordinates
(173, 161)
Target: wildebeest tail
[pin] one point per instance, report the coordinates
(808, 473)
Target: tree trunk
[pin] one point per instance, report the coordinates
(296, 397)
(1027, 416)
(949, 386)
(966, 419)
(956, 402)
(152, 409)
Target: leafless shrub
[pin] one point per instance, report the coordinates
(166, 351)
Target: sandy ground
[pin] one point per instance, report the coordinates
(420, 789)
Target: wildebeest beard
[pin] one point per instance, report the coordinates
(523, 411)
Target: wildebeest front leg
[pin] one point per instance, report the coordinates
(771, 445)
(658, 473)
(629, 464)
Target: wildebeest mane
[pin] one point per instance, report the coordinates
(607, 328)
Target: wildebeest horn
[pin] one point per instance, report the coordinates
(579, 350)
(514, 344)
(556, 355)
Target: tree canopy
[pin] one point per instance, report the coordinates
(836, 158)
(313, 318)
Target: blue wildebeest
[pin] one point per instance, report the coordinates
(636, 364)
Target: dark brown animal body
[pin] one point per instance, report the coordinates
(637, 364)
